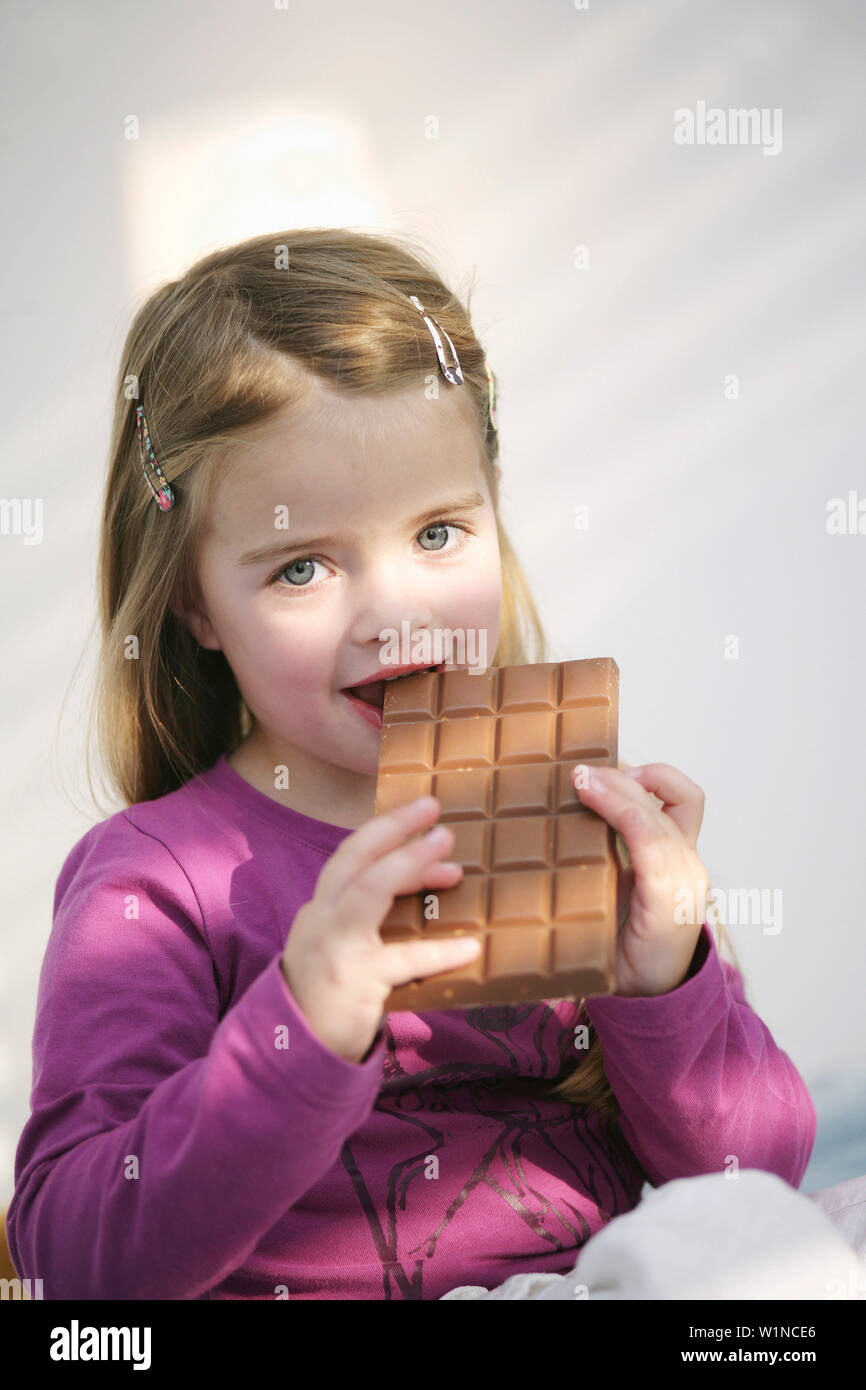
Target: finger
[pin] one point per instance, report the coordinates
(404, 961)
(443, 873)
(642, 826)
(375, 838)
(631, 783)
(682, 799)
(368, 897)
(632, 771)
(627, 788)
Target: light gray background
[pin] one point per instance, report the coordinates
(706, 514)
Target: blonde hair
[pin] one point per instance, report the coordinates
(213, 356)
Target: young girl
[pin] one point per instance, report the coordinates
(304, 455)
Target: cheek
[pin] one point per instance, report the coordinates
(291, 648)
(490, 596)
(470, 599)
(480, 588)
(267, 642)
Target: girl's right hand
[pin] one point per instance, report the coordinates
(338, 968)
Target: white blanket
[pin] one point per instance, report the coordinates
(752, 1236)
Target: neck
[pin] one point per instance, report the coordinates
(337, 795)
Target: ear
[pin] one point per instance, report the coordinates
(199, 625)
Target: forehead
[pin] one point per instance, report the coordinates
(336, 456)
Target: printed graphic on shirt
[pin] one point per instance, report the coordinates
(527, 1143)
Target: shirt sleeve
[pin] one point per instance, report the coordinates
(164, 1140)
(700, 1080)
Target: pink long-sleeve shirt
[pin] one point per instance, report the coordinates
(191, 1137)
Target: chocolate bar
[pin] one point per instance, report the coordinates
(540, 868)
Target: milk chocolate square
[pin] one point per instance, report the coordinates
(540, 869)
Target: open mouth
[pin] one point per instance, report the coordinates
(373, 693)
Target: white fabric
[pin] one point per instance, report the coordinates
(752, 1236)
(845, 1204)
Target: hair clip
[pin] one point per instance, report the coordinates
(450, 370)
(491, 391)
(164, 496)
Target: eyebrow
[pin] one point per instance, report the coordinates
(465, 503)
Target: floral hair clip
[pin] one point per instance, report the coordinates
(491, 390)
(163, 494)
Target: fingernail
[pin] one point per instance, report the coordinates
(632, 771)
(438, 835)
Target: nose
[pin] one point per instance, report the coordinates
(385, 598)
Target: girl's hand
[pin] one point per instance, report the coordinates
(654, 950)
(338, 968)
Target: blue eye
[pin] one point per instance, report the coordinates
(300, 570)
(440, 526)
(296, 565)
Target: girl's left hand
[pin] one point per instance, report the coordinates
(654, 950)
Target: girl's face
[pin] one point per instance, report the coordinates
(391, 530)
